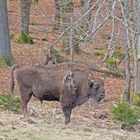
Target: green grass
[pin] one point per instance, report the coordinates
(8, 102)
(24, 39)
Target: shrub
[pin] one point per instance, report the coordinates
(118, 54)
(125, 114)
(8, 102)
(111, 64)
(25, 39)
(98, 53)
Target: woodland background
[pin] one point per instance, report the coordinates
(101, 33)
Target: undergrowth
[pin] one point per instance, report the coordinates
(9, 102)
(125, 114)
(23, 39)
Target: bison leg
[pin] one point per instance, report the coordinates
(67, 112)
(25, 98)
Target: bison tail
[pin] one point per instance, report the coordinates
(12, 83)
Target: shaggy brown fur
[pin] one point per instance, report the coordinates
(67, 83)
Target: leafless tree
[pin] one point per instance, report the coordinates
(137, 11)
(25, 16)
(5, 50)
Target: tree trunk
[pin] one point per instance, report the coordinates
(5, 50)
(128, 75)
(85, 6)
(67, 14)
(137, 12)
(124, 9)
(25, 16)
(57, 14)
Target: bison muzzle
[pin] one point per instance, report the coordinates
(67, 83)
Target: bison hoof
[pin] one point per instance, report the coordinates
(67, 122)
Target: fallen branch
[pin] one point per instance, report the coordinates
(55, 57)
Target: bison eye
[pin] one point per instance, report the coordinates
(91, 85)
(96, 86)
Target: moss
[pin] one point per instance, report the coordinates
(23, 39)
(122, 71)
(111, 61)
(2, 62)
(111, 64)
(106, 36)
(135, 99)
(118, 54)
(12, 36)
(6, 60)
(65, 43)
(98, 53)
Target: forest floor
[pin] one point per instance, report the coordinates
(47, 123)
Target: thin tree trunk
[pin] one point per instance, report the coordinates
(137, 11)
(25, 16)
(85, 6)
(57, 14)
(124, 9)
(5, 50)
(128, 75)
(66, 14)
(71, 41)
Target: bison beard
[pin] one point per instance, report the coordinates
(67, 83)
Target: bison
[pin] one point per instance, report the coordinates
(67, 83)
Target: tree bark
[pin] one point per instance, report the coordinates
(85, 6)
(124, 11)
(137, 12)
(25, 16)
(57, 14)
(67, 14)
(5, 50)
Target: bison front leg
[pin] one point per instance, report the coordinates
(67, 113)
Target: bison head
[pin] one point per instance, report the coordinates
(96, 89)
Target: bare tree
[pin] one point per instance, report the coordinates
(57, 14)
(67, 14)
(25, 16)
(85, 6)
(137, 11)
(5, 50)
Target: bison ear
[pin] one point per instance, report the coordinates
(90, 83)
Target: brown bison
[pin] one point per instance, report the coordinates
(67, 83)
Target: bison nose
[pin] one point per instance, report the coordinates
(102, 96)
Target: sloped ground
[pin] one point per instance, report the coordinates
(47, 122)
(15, 127)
